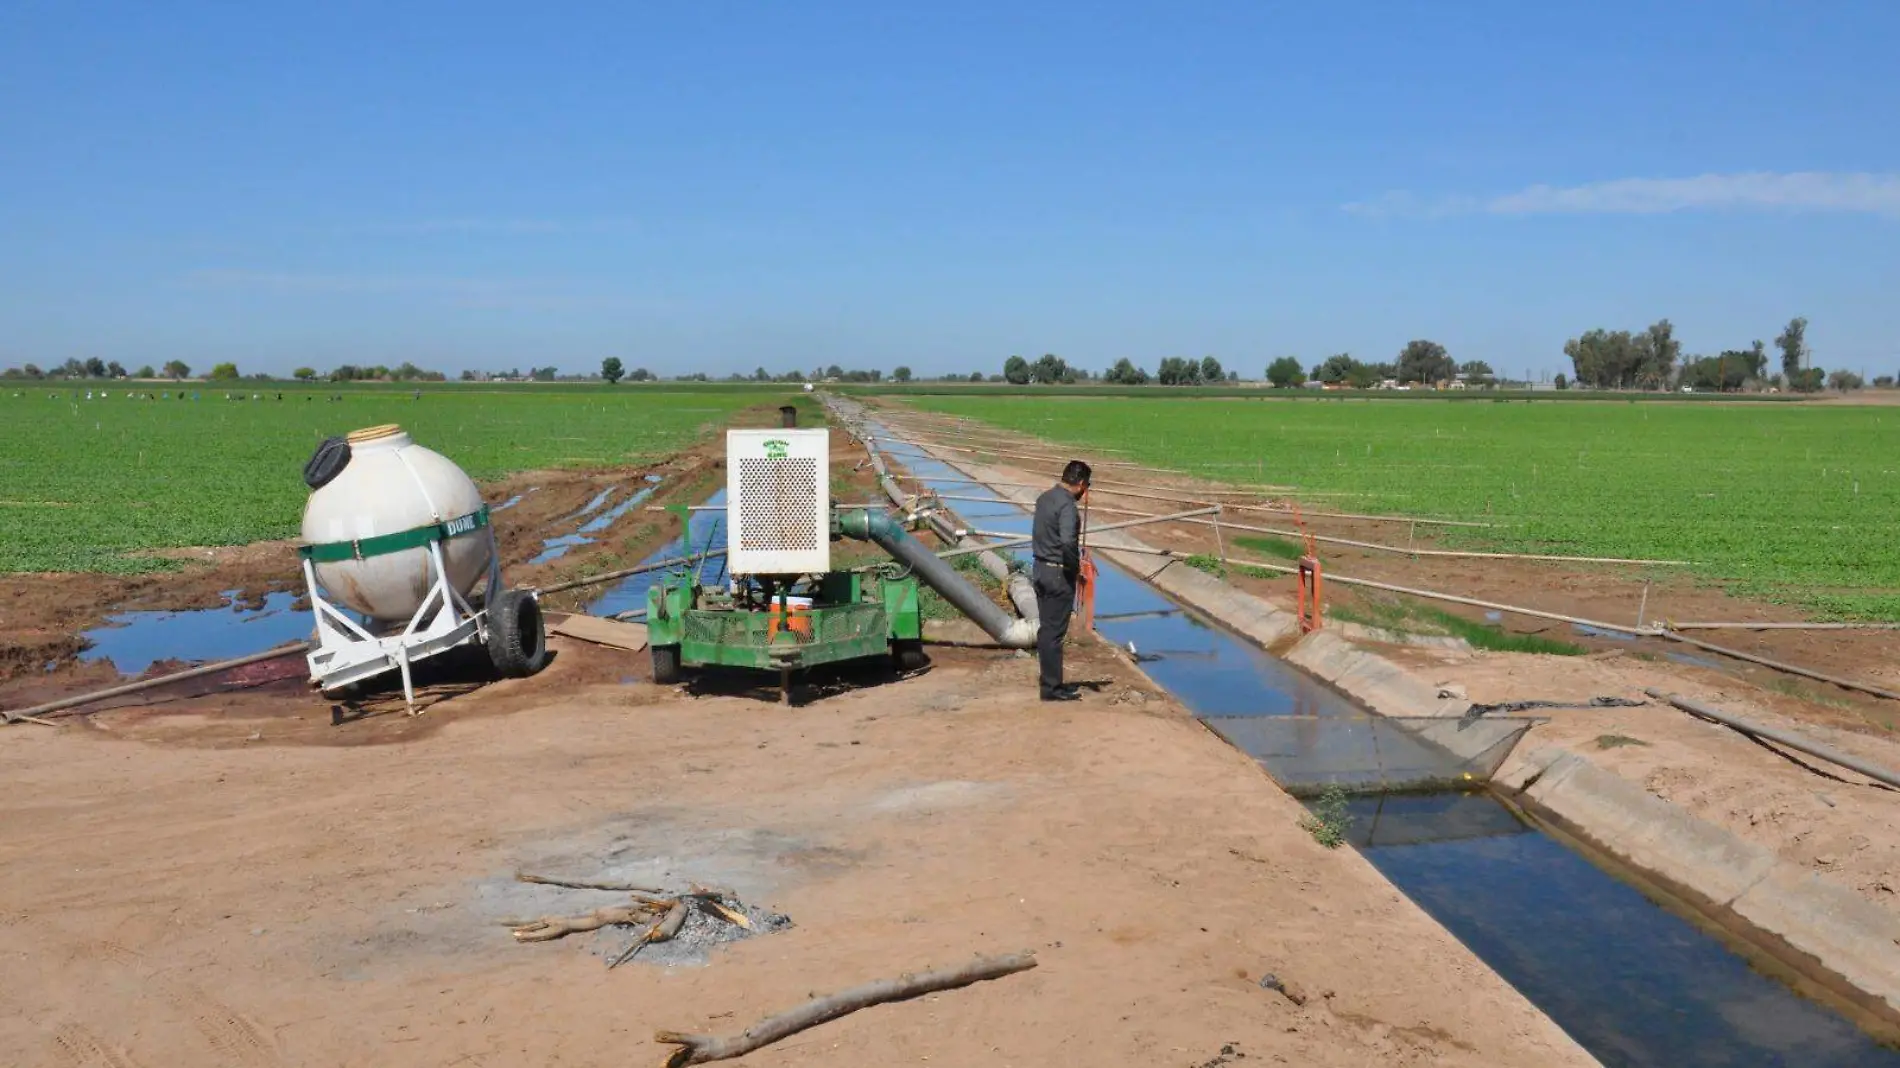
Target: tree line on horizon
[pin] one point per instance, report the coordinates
(1652, 359)
(1600, 359)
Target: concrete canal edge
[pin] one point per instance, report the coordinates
(1819, 931)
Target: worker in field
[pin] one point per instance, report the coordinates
(1057, 544)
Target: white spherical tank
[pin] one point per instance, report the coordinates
(389, 486)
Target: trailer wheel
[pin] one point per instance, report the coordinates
(907, 654)
(666, 664)
(517, 642)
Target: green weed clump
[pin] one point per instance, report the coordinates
(931, 603)
(1280, 547)
(1327, 820)
(1410, 617)
(1210, 563)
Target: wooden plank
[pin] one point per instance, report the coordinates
(629, 636)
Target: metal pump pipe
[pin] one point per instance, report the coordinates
(1883, 775)
(886, 534)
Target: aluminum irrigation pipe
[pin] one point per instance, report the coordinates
(1096, 487)
(1434, 595)
(1420, 520)
(992, 436)
(1252, 508)
(1453, 553)
(1014, 540)
(1259, 489)
(1784, 626)
(1459, 554)
(1017, 586)
(1012, 455)
(609, 576)
(1793, 741)
(146, 684)
(1843, 683)
(721, 507)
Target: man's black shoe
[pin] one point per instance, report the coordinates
(1062, 695)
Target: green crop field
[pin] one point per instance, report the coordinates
(85, 483)
(1797, 504)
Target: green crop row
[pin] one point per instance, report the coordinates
(86, 484)
(1792, 503)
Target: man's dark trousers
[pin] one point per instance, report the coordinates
(1055, 602)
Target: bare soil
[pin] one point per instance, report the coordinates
(238, 881)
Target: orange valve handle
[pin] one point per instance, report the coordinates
(1085, 581)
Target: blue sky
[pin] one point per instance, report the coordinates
(714, 186)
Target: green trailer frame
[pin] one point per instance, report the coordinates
(855, 615)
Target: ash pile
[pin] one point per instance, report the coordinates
(701, 933)
(647, 923)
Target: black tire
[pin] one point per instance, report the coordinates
(517, 641)
(666, 664)
(907, 654)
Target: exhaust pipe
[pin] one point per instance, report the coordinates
(886, 534)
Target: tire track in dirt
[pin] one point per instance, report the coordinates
(72, 1046)
(233, 1039)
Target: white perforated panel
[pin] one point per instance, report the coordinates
(778, 496)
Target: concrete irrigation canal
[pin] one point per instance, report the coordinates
(1635, 982)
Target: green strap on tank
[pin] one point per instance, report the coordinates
(331, 552)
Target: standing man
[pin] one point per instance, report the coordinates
(1058, 551)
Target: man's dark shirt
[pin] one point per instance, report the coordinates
(1056, 539)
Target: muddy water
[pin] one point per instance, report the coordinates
(1636, 984)
(556, 547)
(134, 641)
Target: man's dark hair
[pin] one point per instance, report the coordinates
(1076, 474)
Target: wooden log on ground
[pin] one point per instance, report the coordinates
(700, 1049)
(668, 926)
(578, 884)
(548, 928)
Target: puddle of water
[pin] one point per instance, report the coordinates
(589, 508)
(1630, 981)
(557, 547)
(514, 500)
(612, 515)
(704, 530)
(133, 641)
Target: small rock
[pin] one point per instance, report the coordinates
(257, 930)
(1451, 691)
(1289, 991)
